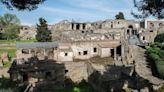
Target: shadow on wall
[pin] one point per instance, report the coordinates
(49, 76)
(6, 85)
(41, 75)
(112, 80)
(115, 78)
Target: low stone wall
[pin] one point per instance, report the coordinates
(109, 78)
(102, 77)
(77, 71)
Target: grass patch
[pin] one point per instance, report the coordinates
(14, 41)
(34, 40)
(6, 64)
(81, 87)
(11, 52)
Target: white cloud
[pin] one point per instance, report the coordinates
(66, 12)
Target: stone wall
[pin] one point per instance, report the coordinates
(27, 33)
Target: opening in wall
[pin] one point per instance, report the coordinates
(66, 54)
(66, 71)
(25, 51)
(25, 77)
(78, 26)
(48, 75)
(111, 25)
(128, 31)
(83, 26)
(85, 52)
(94, 49)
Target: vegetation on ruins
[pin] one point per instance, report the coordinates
(8, 86)
(149, 8)
(8, 46)
(120, 15)
(161, 89)
(160, 38)
(155, 54)
(81, 87)
(43, 34)
(22, 4)
(10, 24)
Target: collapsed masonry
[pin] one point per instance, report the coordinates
(84, 48)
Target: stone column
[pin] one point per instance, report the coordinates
(74, 26)
(30, 51)
(30, 54)
(81, 26)
(115, 53)
(44, 52)
(125, 34)
(130, 32)
(122, 52)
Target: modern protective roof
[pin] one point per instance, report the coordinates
(37, 45)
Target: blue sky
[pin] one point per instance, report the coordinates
(79, 10)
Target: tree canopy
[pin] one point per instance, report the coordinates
(10, 24)
(22, 4)
(120, 15)
(9, 19)
(43, 34)
(149, 7)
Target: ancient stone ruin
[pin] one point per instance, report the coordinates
(101, 53)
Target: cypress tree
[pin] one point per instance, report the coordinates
(43, 34)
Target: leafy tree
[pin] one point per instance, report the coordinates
(149, 7)
(11, 32)
(22, 4)
(9, 19)
(120, 15)
(10, 24)
(43, 34)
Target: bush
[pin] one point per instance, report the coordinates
(160, 38)
(155, 53)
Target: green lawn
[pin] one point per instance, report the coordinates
(14, 41)
(11, 52)
(10, 49)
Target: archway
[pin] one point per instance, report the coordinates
(130, 26)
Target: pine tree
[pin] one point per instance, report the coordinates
(148, 8)
(43, 34)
